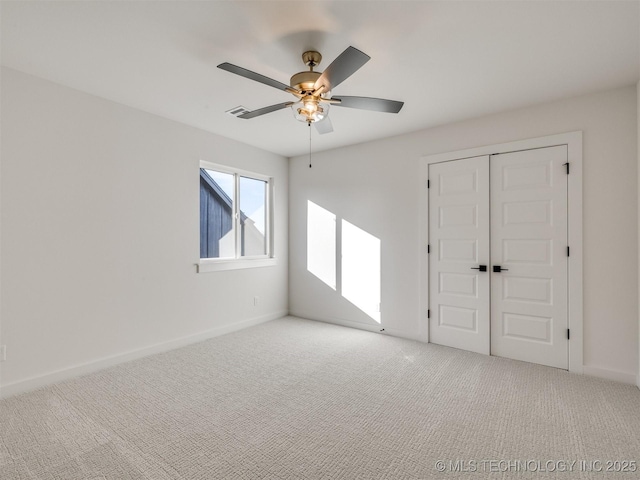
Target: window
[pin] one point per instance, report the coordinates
(235, 219)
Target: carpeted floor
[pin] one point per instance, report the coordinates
(296, 399)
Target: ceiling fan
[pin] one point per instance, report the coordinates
(313, 89)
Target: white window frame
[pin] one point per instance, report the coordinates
(232, 263)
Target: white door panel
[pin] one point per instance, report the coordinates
(459, 239)
(507, 210)
(529, 242)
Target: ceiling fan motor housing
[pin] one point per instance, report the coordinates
(304, 81)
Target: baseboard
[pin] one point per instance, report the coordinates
(358, 325)
(615, 375)
(102, 363)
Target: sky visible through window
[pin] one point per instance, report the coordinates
(252, 195)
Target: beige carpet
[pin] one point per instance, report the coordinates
(296, 399)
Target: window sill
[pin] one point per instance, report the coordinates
(215, 265)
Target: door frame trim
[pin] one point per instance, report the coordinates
(573, 141)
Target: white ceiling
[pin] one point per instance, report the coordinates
(446, 60)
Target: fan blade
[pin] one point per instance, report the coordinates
(243, 72)
(324, 126)
(368, 103)
(347, 63)
(262, 111)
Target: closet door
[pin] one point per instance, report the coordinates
(459, 242)
(529, 256)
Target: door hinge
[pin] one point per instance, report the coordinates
(428, 183)
(428, 248)
(428, 313)
(568, 251)
(568, 334)
(567, 165)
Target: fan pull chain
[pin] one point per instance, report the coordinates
(309, 123)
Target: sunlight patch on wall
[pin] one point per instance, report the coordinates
(321, 243)
(361, 269)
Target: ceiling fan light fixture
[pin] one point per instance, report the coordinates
(310, 105)
(310, 111)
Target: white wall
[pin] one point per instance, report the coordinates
(638, 126)
(100, 233)
(375, 186)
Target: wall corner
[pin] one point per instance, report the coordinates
(638, 190)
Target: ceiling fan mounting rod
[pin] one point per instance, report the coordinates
(305, 81)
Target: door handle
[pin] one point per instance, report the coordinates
(482, 268)
(498, 269)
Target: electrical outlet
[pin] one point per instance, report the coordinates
(3, 353)
(255, 301)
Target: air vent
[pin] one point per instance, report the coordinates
(236, 111)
